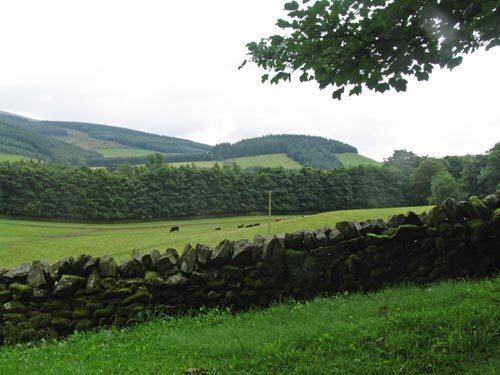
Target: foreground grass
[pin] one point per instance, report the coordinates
(25, 241)
(268, 161)
(448, 328)
(351, 160)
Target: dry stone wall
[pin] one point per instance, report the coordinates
(454, 240)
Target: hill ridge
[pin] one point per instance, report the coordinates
(77, 142)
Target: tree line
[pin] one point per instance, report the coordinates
(430, 180)
(158, 191)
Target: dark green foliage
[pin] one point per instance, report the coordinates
(420, 185)
(374, 43)
(474, 174)
(490, 175)
(159, 191)
(404, 160)
(316, 152)
(444, 185)
(16, 140)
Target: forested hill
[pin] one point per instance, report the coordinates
(18, 141)
(94, 136)
(317, 152)
(108, 146)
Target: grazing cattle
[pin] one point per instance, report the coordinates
(174, 229)
(257, 225)
(241, 226)
(249, 226)
(277, 220)
(217, 229)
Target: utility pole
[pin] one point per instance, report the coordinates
(270, 193)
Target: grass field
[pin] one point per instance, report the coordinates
(11, 157)
(448, 328)
(270, 161)
(124, 152)
(25, 241)
(352, 160)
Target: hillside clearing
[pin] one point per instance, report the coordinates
(352, 160)
(25, 241)
(266, 161)
(124, 152)
(11, 157)
(448, 328)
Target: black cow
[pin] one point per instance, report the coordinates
(174, 229)
(249, 226)
(217, 229)
(257, 225)
(241, 226)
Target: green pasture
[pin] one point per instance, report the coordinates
(25, 241)
(352, 160)
(448, 328)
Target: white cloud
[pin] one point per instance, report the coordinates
(170, 67)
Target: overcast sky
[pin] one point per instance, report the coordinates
(170, 67)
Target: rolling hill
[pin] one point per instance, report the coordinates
(15, 140)
(105, 146)
(316, 152)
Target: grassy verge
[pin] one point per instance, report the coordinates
(25, 241)
(448, 328)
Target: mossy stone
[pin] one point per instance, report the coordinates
(40, 320)
(104, 312)
(153, 278)
(80, 314)
(61, 324)
(406, 233)
(5, 296)
(15, 307)
(68, 284)
(13, 317)
(20, 291)
(138, 297)
(93, 305)
(118, 293)
(232, 273)
(83, 325)
(354, 263)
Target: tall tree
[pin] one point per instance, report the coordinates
(349, 44)
(444, 185)
(420, 186)
(490, 175)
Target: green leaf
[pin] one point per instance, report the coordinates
(292, 6)
(337, 94)
(356, 90)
